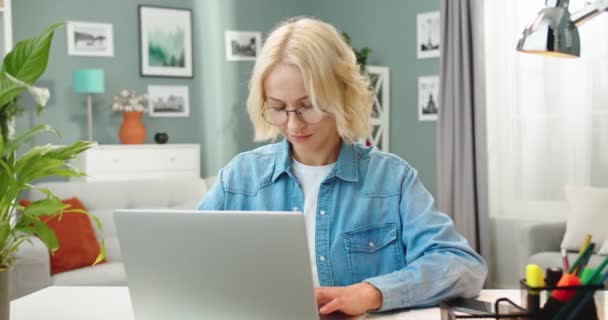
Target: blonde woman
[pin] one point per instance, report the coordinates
(376, 242)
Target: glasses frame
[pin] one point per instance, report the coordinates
(296, 111)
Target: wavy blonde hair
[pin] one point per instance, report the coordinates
(329, 70)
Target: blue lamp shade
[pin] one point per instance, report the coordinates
(88, 81)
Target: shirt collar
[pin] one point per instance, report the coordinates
(345, 169)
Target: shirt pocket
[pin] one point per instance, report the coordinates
(372, 251)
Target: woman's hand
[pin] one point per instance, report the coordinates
(353, 300)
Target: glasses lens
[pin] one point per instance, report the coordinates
(310, 114)
(274, 116)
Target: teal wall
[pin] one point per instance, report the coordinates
(218, 91)
(389, 28)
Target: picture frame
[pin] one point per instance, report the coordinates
(166, 46)
(242, 45)
(428, 35)
(90, 39)
(169, 101)
(428, 94)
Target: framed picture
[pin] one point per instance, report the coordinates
(90, 39)
(169, 101)
(165, 42)
(428, 92)
(242, 45)
(429, 34)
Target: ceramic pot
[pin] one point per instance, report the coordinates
(5, 301)
(161, 137)
(132, 130)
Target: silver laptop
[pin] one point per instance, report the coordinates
(216, 265)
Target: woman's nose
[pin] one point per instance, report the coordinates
(294, 121)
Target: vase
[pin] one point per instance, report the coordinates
(5, 301)
(132, 130)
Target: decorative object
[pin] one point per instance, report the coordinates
(242, 45)
(161, 137)
(554, 32)
(166, 41)
(132, 130)
(360, 54)
(428, 91)
(21, 68)
(379, 78)
(429, 35)
(169, 101)
(88, 81)
(90, 39)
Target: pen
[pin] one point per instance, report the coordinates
(588, 296)
(579, 259)
(565, 261)
(534, 279)
(586, 258)
(559, 297)
(583, 294)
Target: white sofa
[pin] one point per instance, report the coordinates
(32, 269)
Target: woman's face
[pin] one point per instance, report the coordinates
(284, 88)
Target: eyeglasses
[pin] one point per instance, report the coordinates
(278, 115)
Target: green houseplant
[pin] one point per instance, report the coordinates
(360, 54)
(18, 168)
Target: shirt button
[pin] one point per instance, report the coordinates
(322, 213)
(371, 244)
(322, 258)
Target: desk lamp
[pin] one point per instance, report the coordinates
(88, 81)
(554, 31)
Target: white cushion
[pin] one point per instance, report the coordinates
(587, 213)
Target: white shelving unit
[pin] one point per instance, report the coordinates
(6, 27)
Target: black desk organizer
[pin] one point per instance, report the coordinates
(588, 312)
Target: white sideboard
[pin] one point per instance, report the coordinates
(142, 161)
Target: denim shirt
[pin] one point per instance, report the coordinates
(375, 222)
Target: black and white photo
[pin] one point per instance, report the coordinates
(90, 39)
(242, 45)
(165, 42)
(429, 34)
(169, 101)
(428, 92)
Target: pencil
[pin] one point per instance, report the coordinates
(586, 242)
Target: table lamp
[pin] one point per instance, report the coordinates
(88, 81)
(554, 31)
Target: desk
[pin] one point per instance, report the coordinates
(103, 303)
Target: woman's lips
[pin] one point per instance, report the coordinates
(301, 138)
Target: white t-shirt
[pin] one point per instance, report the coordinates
(310, 178)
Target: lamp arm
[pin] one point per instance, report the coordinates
(589, 12)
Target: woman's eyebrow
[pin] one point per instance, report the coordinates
(279, 100)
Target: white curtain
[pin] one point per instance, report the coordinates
(547, 117)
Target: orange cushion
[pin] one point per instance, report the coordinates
(78, 246)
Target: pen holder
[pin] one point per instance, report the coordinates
(504, 309)
(534, 299)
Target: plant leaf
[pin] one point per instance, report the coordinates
(8, 91)
(26, 136)
(44, 207)
(29, 58)
(40, 229)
